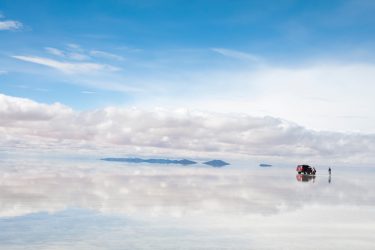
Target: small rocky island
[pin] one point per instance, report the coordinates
(157, 161)
(216, 163)
(265, 165)
(213, 163)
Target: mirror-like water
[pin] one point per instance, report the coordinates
(92, 204)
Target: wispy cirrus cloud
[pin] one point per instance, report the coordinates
(10, 25)
(76, 54)
(74, 46)
(81, 67)
(55, 52)
(68, 67)
(236, 54)
(87, 92)
(106, 55)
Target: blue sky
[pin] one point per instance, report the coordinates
(308, 62)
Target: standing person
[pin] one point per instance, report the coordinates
(329, 171)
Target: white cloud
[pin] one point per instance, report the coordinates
(179, 131)
(321, 95)
(55, 52)
(3, 72)
(106, 55)
(88, 92)
(85, 73)
(74, 53)
(236, 54)
(104, 82)
(68, 67)
(14, 109)
(10, 25)
(78, 56)
(74, 46)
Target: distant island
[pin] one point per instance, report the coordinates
(157, 161)
(213, 163)
(265, 165)
(216, 163)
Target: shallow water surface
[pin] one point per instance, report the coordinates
(92, 204)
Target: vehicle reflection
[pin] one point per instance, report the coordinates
(305, 177)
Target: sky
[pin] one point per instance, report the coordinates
(255, 77)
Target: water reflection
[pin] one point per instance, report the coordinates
(167, 191)
(305, 177)
(150, 207)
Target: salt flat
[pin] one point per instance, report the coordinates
(91, 204)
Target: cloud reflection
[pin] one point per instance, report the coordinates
(171, 191)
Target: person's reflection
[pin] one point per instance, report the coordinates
(305, 177)
(329, 179)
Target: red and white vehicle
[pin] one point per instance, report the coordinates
(305, 169)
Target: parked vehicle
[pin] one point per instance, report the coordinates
(305, 169)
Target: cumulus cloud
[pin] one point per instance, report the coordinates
(10, 25)
(13, 109)
(24, 122)
(322, 95)
(68, 67)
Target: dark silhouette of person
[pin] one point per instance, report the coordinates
(329, 171)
